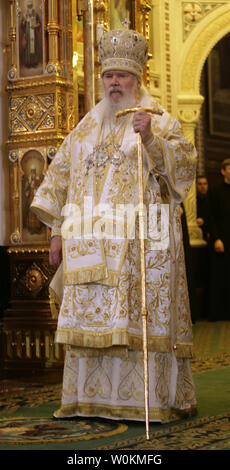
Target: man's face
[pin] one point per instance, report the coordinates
(119, 85)
(202, 185)
(226, 173)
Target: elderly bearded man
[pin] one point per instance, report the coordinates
(100, 314)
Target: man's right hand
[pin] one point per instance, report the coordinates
(55, 256)
(219, 246)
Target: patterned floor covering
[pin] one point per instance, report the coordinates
(209, 362)
(44, 430)
(211, 337)
(211, 346)
(23, 420)
(32, 396)
(209, 433)
(206, 433)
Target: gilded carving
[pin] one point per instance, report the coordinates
(47, 123)
(51, 152)
(194, 12)
(12, 74)
(13, 156)
(35, 140)
(29, 112)
(28, 250)
(17, 126)
(199, 50)
(70, 107)
(61, 111)
(35, 278)
(16, 102)
(50, 69)
(32, 112)
(16, 238)
(167, 41)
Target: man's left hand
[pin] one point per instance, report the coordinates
(142, 124)
(55, 255)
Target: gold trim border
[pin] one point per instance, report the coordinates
(84, 275)
(120, 429)
(121, 412)
(119, 337)
(184, 350)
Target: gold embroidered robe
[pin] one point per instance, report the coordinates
(100, 314)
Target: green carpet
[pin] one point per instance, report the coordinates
(210, 433)
(211, 346)
(211, 337)
(26, 414)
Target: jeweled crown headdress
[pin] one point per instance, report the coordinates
(123, 49)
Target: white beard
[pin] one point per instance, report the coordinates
(111, 108)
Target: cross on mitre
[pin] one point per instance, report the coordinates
(126, 23)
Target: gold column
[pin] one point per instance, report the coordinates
(14, 195)
(12, 37)
(89, 66)
(189, 111)
(71, 39)
(101, 24)
(141, 24)
(74, 61)
(53, 30)
(85, 9)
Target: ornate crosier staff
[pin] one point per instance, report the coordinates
(142, 257)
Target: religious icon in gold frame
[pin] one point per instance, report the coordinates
(30, 38)
(32, 164)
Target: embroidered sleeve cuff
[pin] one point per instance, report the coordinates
(56, 228)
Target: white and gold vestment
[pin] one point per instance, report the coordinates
(100, 314)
